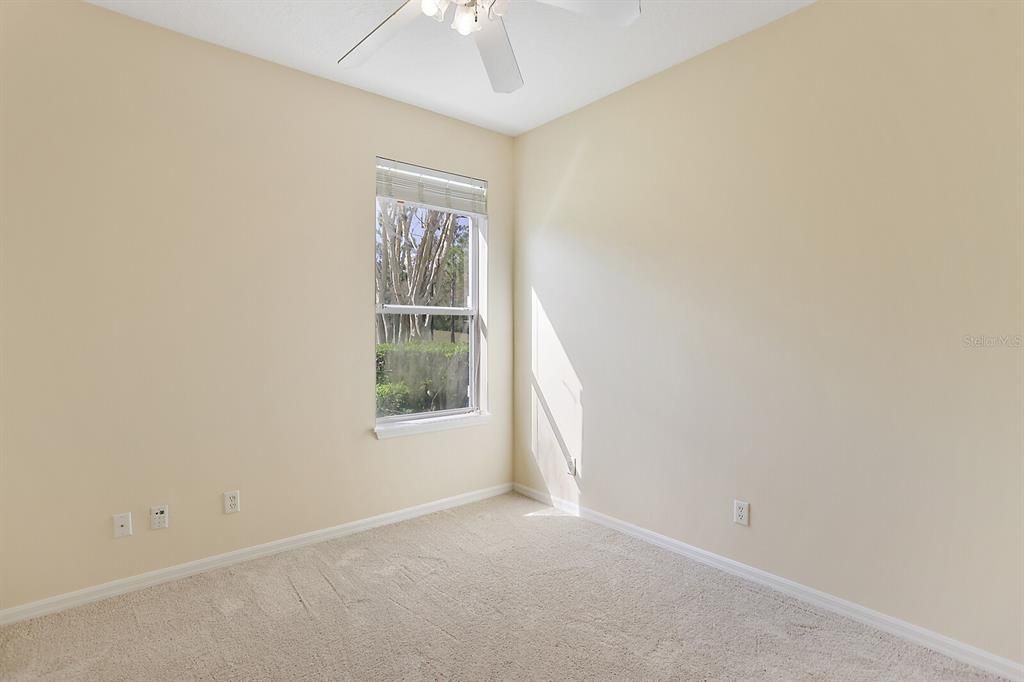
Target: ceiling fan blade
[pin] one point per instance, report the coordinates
(499, 59)
(617, 12)
(385, 31)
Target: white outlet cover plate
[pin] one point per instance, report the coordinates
(122, 525)
(741, 512)
(232, 502)
(159, 517)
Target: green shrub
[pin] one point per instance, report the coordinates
(382, 352)
(435, 375)
(393, 399)
(443, 348)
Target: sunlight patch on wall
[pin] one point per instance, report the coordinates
(556, 398)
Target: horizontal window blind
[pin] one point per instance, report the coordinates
(406, 182)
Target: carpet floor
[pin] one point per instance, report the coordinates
(501, 589)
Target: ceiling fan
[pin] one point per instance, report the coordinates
(483, 20)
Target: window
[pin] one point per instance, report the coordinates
(430, 237)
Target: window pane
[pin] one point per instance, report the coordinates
(423, 363)
(422, 255)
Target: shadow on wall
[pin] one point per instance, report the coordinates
(556, 409)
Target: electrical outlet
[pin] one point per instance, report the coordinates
(122, 525)
(159, 517)
(232, 502)
(741, 512)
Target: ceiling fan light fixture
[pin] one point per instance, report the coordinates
(466, 20)
(435, 9)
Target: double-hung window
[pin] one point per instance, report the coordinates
(430, 279)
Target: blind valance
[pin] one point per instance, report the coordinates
(406, 182)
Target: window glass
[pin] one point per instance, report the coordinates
(429, 372)
(426, 322)
(423, 255)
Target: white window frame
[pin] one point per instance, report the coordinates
(475, 413)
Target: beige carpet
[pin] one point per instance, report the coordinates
(501, 589)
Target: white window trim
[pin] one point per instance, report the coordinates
(410, 427)
(426, 422)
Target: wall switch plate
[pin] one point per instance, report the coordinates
(122, 525)
(232, 502)
(741, 512)
(159, 517)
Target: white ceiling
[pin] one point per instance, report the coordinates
(567, 60)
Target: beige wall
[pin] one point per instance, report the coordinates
(751, 276)
(187, 300)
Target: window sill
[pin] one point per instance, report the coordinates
(427, 425)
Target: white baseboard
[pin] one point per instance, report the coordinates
(944, 645)
(138, 582)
